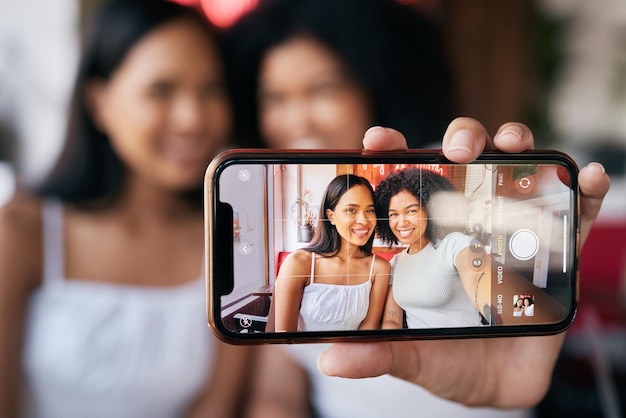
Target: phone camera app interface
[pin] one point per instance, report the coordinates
(340, 247)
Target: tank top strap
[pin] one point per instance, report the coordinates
(52, 251)
(372, 266)
(312, 268)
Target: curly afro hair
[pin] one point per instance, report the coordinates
(422, 184)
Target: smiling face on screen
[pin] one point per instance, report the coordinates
(408, 221)
(354, 216)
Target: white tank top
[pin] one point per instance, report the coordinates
(105, 350)
(332, 307)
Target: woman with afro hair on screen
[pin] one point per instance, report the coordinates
(434, 282)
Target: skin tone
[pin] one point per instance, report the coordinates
(434, 364)
(354, 217)
(408, 221)
(167, 114)
(306, 96)
(528, 310)
(159, 109)
(280, 386)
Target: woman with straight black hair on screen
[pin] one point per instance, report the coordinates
(335, 283)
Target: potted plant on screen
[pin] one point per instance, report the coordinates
(305, 216)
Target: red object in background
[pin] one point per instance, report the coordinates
(222, 13)
(603, 272)
(375, 173)
(603, 258)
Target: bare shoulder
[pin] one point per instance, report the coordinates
(21, 239)
(297, 263)
(21, 214)
(299, 256)
(382, 265)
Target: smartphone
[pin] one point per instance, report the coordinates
(323, 246)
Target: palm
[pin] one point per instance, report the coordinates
(474, 372)
(483, 368)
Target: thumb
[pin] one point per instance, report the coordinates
(356, 360)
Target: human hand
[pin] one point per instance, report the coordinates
(474, 372)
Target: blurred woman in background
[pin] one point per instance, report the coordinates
(102, 301)
(318, 74)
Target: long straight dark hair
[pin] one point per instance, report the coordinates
(327, 239)
(88, 168)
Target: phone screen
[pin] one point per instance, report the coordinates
(399, 246)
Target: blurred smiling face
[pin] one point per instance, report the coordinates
(308, 100)
(165, 107)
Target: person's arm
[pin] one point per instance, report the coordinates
(477, 284)
(449, 368)
(279, 386)
(225, 390)
(393, 314)
(378, 295)
(288, 289)
(20, 273)
(476, 279)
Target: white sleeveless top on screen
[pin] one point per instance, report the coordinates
(332, 307)
(105, 350)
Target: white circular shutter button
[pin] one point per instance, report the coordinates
(524, 244)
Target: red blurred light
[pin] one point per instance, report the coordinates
(224, 13)
(186, 2)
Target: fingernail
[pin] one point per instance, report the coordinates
(511, 133)
(461, 141)
(319, 362)
(597, 166)
(373, 129)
